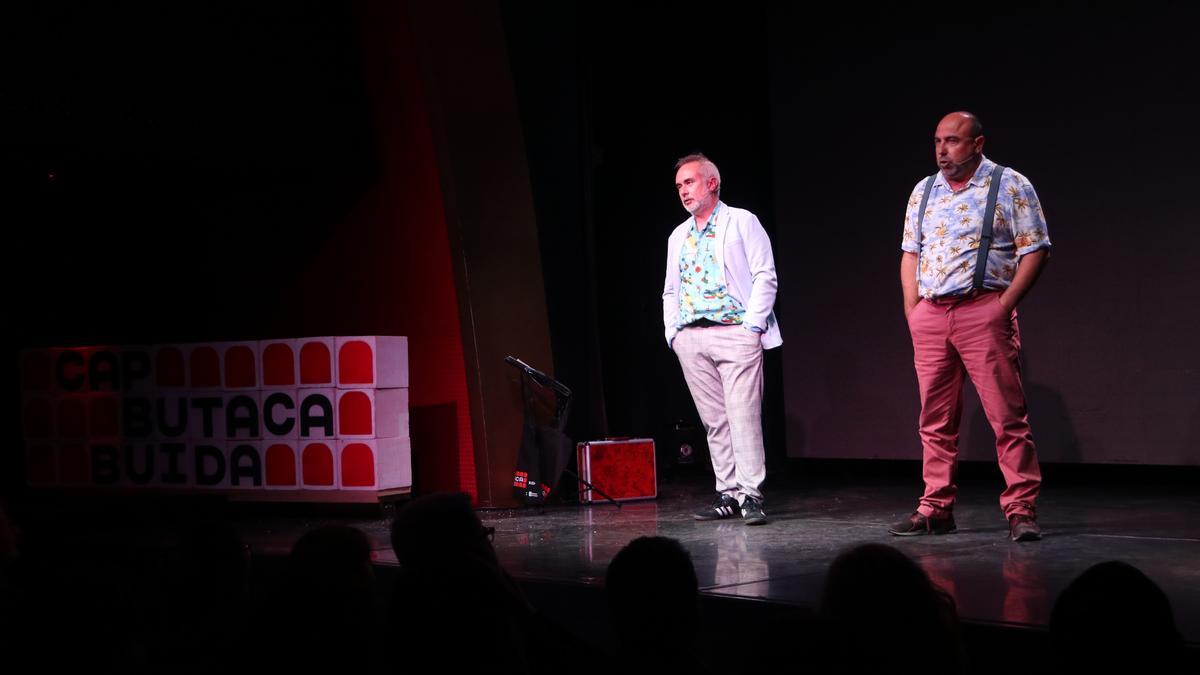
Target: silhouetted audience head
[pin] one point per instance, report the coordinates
(1113, 615)
(883, 614)
(435, 528)
(653, 596)
(452, 599)
(337, 554)
(331, 566)
(324, 610)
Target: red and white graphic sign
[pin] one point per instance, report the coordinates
(308, 415)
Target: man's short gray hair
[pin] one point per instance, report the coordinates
(707, 168)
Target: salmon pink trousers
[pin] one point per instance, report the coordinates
(972, 336)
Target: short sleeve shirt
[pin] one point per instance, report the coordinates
(947, 241)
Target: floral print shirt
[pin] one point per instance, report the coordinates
(702, 291)
(948, 241)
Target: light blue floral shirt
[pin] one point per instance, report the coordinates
(949, 236)
(702, 291)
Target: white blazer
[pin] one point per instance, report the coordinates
(744, 251)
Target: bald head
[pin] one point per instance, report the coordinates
(961, 117)
(958, 145)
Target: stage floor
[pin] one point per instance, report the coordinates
(993, 580)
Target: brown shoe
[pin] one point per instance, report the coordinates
(1023, 528)
(918, 524)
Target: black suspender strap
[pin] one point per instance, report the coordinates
(985, 234)
(921, 217)
(924, 203)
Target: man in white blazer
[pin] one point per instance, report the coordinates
(717, 310)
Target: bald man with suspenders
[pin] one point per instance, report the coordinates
(974, 243)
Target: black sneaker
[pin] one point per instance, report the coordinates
(1023, 528)
(917, 524)
(752, 513)
(725, 506)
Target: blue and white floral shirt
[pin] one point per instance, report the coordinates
(948, 241)
(702, 290)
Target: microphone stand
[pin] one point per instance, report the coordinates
(560, 415)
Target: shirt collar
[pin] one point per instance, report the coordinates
(712, 217)
(982, 173)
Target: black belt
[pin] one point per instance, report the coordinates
(705, 323)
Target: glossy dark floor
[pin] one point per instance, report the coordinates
(991, 578)
(1154, 527)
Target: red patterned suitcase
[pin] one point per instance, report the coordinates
(623, 469)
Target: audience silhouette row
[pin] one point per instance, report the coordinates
(195, 603)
